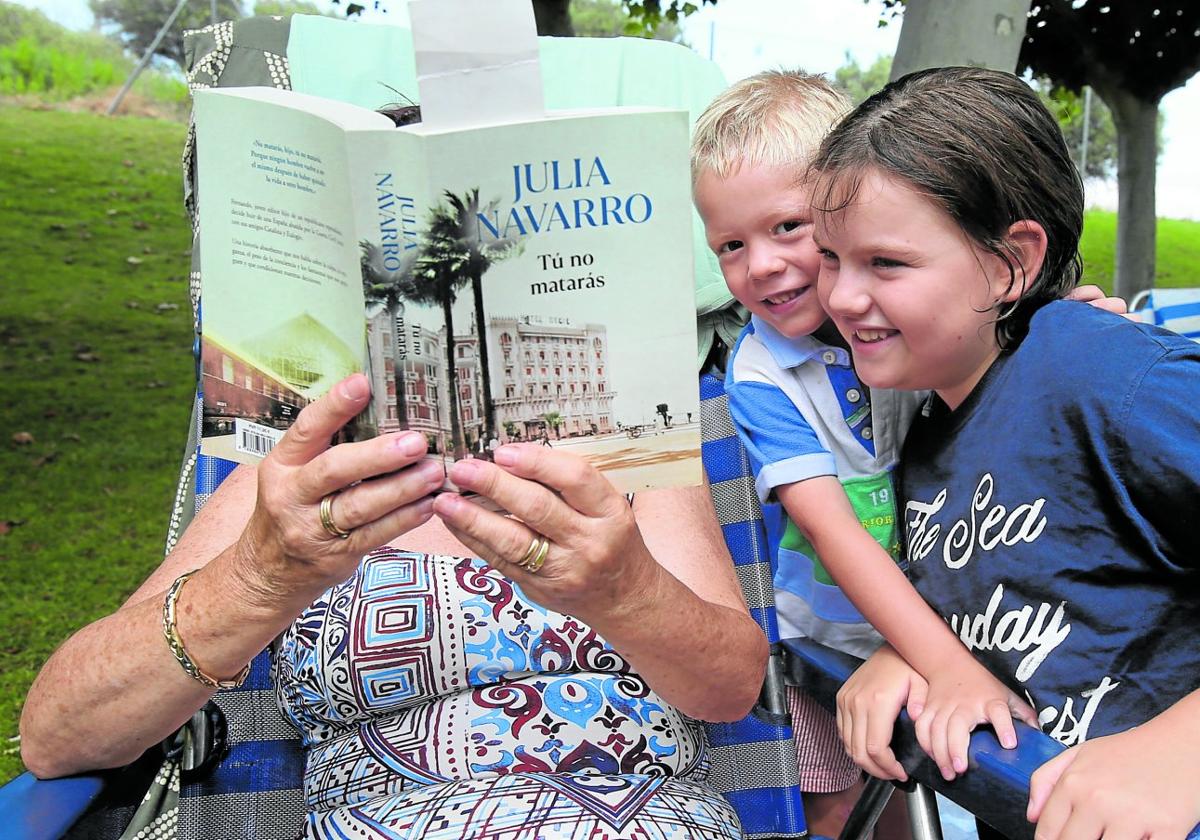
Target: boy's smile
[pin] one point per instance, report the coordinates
(757, 221)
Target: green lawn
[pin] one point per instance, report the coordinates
(1178, 251)
(101, 378)
(94, 239)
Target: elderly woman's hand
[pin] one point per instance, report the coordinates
(595, 565)
(376, 489)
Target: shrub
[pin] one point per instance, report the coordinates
(27, 67)
(42, 59)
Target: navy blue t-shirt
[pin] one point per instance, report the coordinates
(1054, 519)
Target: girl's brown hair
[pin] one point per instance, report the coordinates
(981, 146)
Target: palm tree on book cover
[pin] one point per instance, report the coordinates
(453, 253)
(390, 288)
(554, 420)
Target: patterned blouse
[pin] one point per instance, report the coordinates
(435, 700)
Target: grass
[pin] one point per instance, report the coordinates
(101, 379)
(1177, 257)
(94, 239)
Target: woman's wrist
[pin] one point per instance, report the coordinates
(638, 591)
(231, 609)
(262, 580)
(179, 649)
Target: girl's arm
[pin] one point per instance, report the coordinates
(962, 693)
(655, 582)
(1144, 782)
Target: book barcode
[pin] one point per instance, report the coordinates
(255, 444)
(253, 439)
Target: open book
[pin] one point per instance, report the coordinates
(527, 281)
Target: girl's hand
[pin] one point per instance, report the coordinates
(961, 698)
(868, 705)
(595, 563)
(1094, 295)
(378, 489)
(1141, 783)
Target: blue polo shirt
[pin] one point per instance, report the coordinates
(801, 412)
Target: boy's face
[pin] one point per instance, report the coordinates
(758, 223)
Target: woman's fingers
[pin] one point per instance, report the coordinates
(501, 541)
(533, 503)
(319, 421)
(581, 484)
(343, 465)
(374, 498)
(386, 528)
(328, 469)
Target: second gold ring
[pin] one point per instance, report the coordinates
(535, 556)
(327, 522)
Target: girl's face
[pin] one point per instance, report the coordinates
(915, 298)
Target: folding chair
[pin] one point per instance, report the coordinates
(1177, 310)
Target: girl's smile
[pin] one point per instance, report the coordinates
(913, 296)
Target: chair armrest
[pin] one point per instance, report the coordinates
(996, 786)
(35, 809)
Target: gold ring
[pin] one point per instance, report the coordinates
(536, 563)
(532, 550)
(327, 522)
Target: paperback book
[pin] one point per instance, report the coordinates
(524, 281)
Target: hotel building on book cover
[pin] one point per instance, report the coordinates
(236, 388)
(540, 365)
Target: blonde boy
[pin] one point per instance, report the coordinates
(819, 441)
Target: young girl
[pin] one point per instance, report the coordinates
(1048, 486)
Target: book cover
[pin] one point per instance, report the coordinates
(528, 281)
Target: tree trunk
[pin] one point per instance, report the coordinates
(946, 33)
(457, 444)
(489, 404)
(553, 17)
(1137, 167)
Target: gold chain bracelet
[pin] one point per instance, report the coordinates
(171, 633)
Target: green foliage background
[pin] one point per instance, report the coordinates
(42, 59)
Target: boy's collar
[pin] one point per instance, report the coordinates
(793, 352)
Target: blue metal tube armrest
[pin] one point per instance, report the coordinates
(996, 786)
(33, 809)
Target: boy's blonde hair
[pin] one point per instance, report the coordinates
(773, 118)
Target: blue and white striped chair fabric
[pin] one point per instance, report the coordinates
(1177, 310)
(755, 758)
